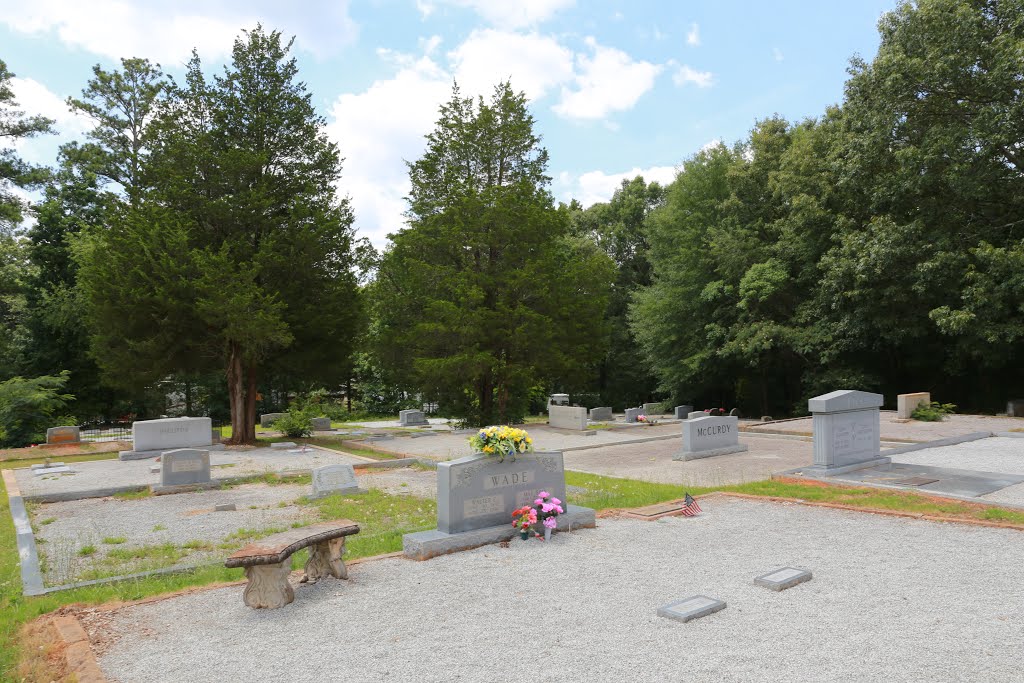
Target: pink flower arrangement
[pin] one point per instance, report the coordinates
(545, 509)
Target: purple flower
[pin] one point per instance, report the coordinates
(543, 494)
(547, 507)
(558, 509)
(539, 501)
(551, 522)
(556, 501)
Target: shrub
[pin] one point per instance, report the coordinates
(295, 424)
(932, 412)
(28, 407)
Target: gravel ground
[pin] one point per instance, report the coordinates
(995, 454)
(104, 474)
(953, 425)
(1014, 495)
(892, 600)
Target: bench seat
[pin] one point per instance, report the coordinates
(267, 561)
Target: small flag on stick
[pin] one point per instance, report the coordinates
(690, 506)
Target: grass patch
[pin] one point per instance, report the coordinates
(159, 527)
(114, 540)
(383, 519)
(48, 520)
(133, 495)
(87, 550)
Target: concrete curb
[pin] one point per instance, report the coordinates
(31, 574)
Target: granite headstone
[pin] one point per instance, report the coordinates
(337, 478)
(321, 424)
(57, 435)
(603, 414)
(683, 412)
(707, 436)
(184, 466)
(267, 419)
(906, 404)
(633, 413)
(567, 417)
(412, 418)
(847, 430)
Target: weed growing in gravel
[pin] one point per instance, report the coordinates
(114, 540)
(87, 550)
(159, 527)
(133, 495)
(383, 518)
(48, 520)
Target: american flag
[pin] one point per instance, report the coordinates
(690, 506)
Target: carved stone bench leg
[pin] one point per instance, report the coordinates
(325, 559)
(268, 585)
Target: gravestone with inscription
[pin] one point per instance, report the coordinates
(567, 417)
(683, 412)
(321, 424)
(477, 494)
(58, 435)
(150, 438)
(335, 479)
(707, 436)
(847, 432)
(184, 466)
(633, 413)
(412, 418)
(603, 414)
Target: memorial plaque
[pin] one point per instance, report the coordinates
(567, 417)
(784, 578)
(691, 608)
(915, 481)
(477, 491)
(184, 466)
(56, 435)
(603, 414)
(334, 479)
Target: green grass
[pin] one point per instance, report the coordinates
(48, 520)
(134, 495)
(159, 527)
(87, 550)
(114, 540)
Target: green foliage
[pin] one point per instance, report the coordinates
(486, 293)
(14, 171)
(932, 412)
(295, 423)
(28, 407)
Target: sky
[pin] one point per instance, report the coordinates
(617, 88)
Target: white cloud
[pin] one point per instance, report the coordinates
(609, 80)
(777, 54)
(597, 186)
(533, 62)
(693, 36)
(686, 74)
(34, 98)
(503, 13)
(710, 144)
(117, 28)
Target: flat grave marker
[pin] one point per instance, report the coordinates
(691, 608)
(781, 579)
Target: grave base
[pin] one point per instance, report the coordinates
(828, 471)
(424, 545)
(696, 455)
(184, 488)
(143, 455)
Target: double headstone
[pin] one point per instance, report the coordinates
(567, 417)
(412, 418)
(335, 479)
(707, 436)
(603, 414)
(683, 412)
(906, 404)
(633, 413)
(847, 431)
(321, 424)
(59, 435)
(184, 466)
(152, 437)
(267, 419)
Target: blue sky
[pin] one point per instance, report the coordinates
(617, 88)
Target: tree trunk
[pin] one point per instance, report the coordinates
(236, 394)
(250, 404)
(486, 400)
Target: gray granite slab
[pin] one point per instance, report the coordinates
(283, 445)
(603, 414)
(184, 466)
(783, 578)
(691, 608)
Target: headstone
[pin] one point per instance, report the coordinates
(412, 418)
(847, 432)
(1015, 408)
(683, 412)
(633, 413)
(907, 403)
(693, 415)
(707, 436)
(567, 417)
(267, 419)
(691, 608)
(652, 409)
(601, 414)
(283, 445)
(321, 424)
(184, 466)
(152, 437)
(559, 400)
(56, 435)
(781, 579)
(335, 479)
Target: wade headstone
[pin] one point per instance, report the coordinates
(847, 431)
(267, 419)
(321, 424)
(906, 404)
(567, 417)
(477, 494)
(150, 438)
(59, 435)
(683, 412)
(412, 418)
(603, 414)
(184, 466)
(335, 479)
(633, 413)
(708, 436)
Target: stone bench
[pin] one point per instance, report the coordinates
(267, 561)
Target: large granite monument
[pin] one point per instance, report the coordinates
(567, 417)
(477, 494)
(150, 438)
(847, 431)
(708, 436)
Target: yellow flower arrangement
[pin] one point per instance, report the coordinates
(501, 441)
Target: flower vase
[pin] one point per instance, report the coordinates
(524, 534)
(547, 533)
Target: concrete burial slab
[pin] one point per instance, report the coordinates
(781, 579)
(691, 608)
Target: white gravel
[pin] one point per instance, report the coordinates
(995, 454)
(892, 600)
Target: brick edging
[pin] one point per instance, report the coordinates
(77, 650)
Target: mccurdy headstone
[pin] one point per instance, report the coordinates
(707, 436)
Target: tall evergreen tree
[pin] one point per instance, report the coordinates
(486, 295)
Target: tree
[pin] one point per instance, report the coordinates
(486, 294)
(28, 407)
(239, 254)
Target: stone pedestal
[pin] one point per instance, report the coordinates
(847, 432)
(325, 559)
(268, 586)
